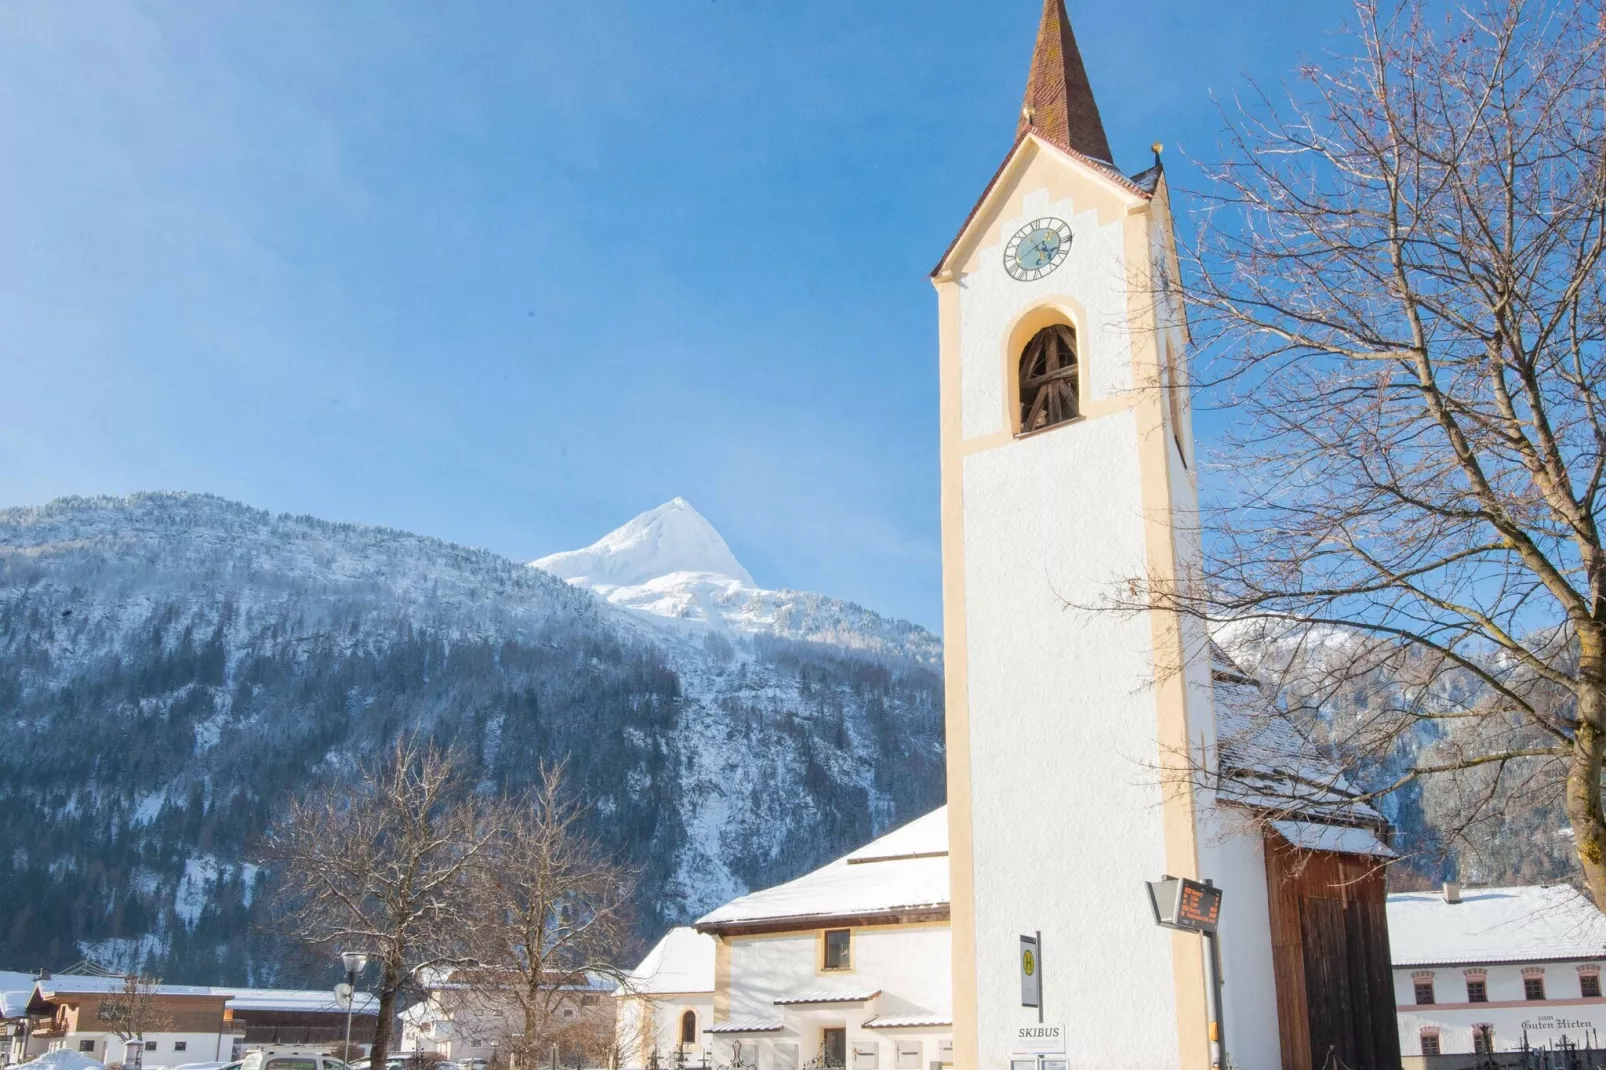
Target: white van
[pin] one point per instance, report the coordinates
(290, 1060)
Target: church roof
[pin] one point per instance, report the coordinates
(1059, 105)
(902, 874)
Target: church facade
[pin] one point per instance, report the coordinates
(1078, 733)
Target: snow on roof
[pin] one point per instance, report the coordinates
(1522, 924)
(908, 1021)
(880, 881)
(1339, 838)
(924, 837)
(78, 985)
(239, 999)
(1266, 765)
(14, 1004)
(683, 961)
(821, 995)
(747, 1025)
(295, 999)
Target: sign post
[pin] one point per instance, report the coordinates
(1191, 907)
(1031, 972)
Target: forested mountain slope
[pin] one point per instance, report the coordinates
(173, 666)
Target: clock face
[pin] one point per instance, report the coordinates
(1037, 248)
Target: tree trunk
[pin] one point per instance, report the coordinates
(389, 983)
(1583, 774)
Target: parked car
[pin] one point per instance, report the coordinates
(290, 1060)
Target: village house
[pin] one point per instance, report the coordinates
(666, 1004)
(847, 965)
(470, 1016)
(96, 1016)
(1479, 970)
(80, 1012)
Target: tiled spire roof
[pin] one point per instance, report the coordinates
(1059, 104)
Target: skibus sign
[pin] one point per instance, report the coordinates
(1180, 903)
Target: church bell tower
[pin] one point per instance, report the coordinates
(1067, 473)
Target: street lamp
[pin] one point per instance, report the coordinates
(355, 962)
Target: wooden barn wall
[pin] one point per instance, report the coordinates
(1330, 954)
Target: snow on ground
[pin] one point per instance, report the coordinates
(64, 1060)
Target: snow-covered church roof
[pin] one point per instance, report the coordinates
(682, 962)
(901, 874)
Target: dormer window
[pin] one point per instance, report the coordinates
(1048, 379)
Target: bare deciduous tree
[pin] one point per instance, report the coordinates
(1399, 274)
(135, 1009)
(381, 866)
(553, 915)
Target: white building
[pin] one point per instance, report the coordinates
(1486, 969)
(83, 1014)
(1077, 733)
(666, 1004)
(845, 966)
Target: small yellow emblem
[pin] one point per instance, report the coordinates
(1028, 962)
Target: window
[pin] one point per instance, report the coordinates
(688, 1027)
(1048, 386)
(1589, 985)
(86, 1045)
(111, 1011)
(838, 949)
(1424, 992)
(833, 1047)
(1477, 990)
(1533, 988)
(181, 1045)
(908, 1055)
(865, 1054)
(150, 1045)
(1483, 1039)
(1430, 1042)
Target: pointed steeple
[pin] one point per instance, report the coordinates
(1059, 103)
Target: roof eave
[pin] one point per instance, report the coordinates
(804, 922)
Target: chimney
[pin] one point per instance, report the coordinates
(1452, 891)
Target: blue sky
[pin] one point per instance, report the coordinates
(510, 273)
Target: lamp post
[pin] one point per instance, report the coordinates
(355, 962)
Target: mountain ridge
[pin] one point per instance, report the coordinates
(173, 664)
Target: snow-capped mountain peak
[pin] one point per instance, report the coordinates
(670, 565)
(673, 538)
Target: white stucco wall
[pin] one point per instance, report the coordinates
(652, 1023)
(1065, 802)
(1234, 858)
(199, 1047)
(1563, 1013)
(909, 965)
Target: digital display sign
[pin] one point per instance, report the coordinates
(1180, 903)
(1199, 907)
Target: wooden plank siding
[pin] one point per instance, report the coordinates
(1330, 955)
